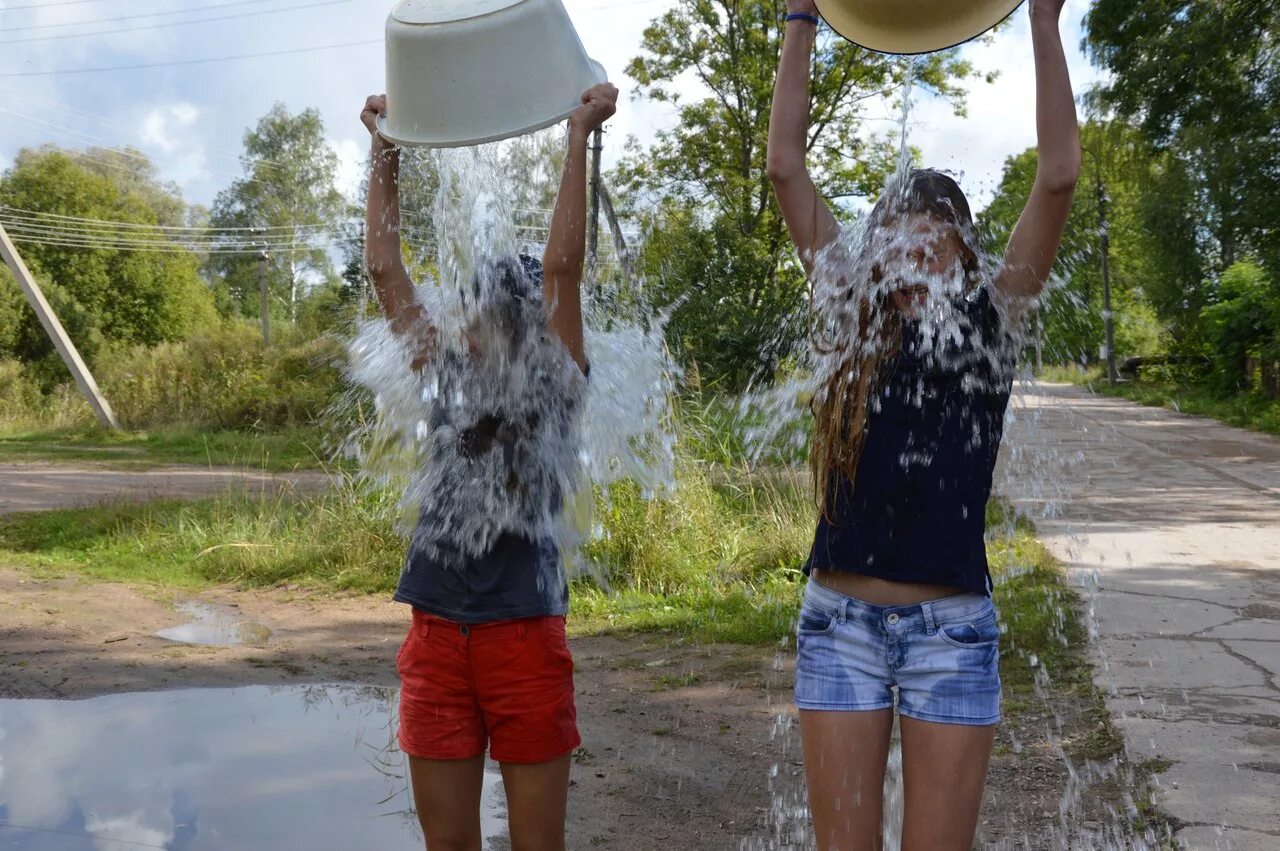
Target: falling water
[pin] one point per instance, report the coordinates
(560, 433)
(768, 419)
(617, 425)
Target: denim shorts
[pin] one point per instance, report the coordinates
(942, 657)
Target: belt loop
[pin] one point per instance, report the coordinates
(424, 628)
(930, 620)
(844, 610)
(520, 630)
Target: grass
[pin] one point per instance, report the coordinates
(718, 561)
(1253, 411)
(280, 451)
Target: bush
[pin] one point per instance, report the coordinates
(224, 379)
(720, 528)
(19, 394)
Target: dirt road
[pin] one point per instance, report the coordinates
(682, 743)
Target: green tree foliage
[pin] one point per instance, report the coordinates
(1202, 79)
(1244, 328)
(289, 186)
(718, 244)
(1117, 174)
(101, 295)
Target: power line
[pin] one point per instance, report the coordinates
(175, 63)
(8, 212)
(109, 124)
(168, 24)
(115, 18)
(80, 137)
(122, 241)
(33, 6)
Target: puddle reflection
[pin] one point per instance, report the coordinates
(217, 625)
(250, 768)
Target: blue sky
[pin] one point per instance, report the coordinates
(190, 119)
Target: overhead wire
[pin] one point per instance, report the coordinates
(81, 137)
(21, 213)
(183, 62)
(169, 24)
(110, 124)
(115, 18)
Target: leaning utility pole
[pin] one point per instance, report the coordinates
(70, 356)
(1107, 319)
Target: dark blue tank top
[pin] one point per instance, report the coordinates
(517, 577)
(917, 510)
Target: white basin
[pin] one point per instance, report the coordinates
(913, 26)
(466, 72)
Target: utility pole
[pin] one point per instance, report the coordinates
(593, 229)
(1107, 319)
(262, 292)
(66, 349)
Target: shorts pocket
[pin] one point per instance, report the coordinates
(980, 631)
(815, 621)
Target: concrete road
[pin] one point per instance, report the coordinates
(1172, 524)
(40, 487)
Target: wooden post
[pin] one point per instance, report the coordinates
(619, 240)
(593, 228)
(264, 300)
(66, 349)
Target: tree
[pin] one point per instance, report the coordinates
(288, 187)
(1202, 79)
(707, 176)
(1244, 328)
(121, 295)
(1119, 168)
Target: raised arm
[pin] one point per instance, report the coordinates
(1034, 245)
(567, 244)
(808, 218)
(382, 242)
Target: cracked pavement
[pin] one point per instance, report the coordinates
(1171, 526)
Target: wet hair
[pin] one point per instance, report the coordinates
(508, 292)
(861, 364)
(937, 195)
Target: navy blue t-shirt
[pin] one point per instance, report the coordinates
(517, 577)
(916, 512)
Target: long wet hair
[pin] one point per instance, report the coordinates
(859, 363)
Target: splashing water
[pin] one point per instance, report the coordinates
(852, 284)
(499, 431)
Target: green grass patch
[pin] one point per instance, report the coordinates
(343, 540)
(1247, 410)
(293, 449)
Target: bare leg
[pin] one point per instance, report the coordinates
(944, 770)
(447, 795)
(844, 762)
(537, 803)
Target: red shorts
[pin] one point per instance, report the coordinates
(507, 684)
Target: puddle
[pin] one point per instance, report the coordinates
(218, 625)
(210, 770)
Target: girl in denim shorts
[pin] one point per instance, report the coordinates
(485, 665)
(917, 345)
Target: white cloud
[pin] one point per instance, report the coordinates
(162, 125)
(351, 165)
(204, 109)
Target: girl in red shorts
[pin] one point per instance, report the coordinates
(486, 665)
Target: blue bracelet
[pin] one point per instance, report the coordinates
(801, 16)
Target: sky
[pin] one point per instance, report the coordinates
(191, 119)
